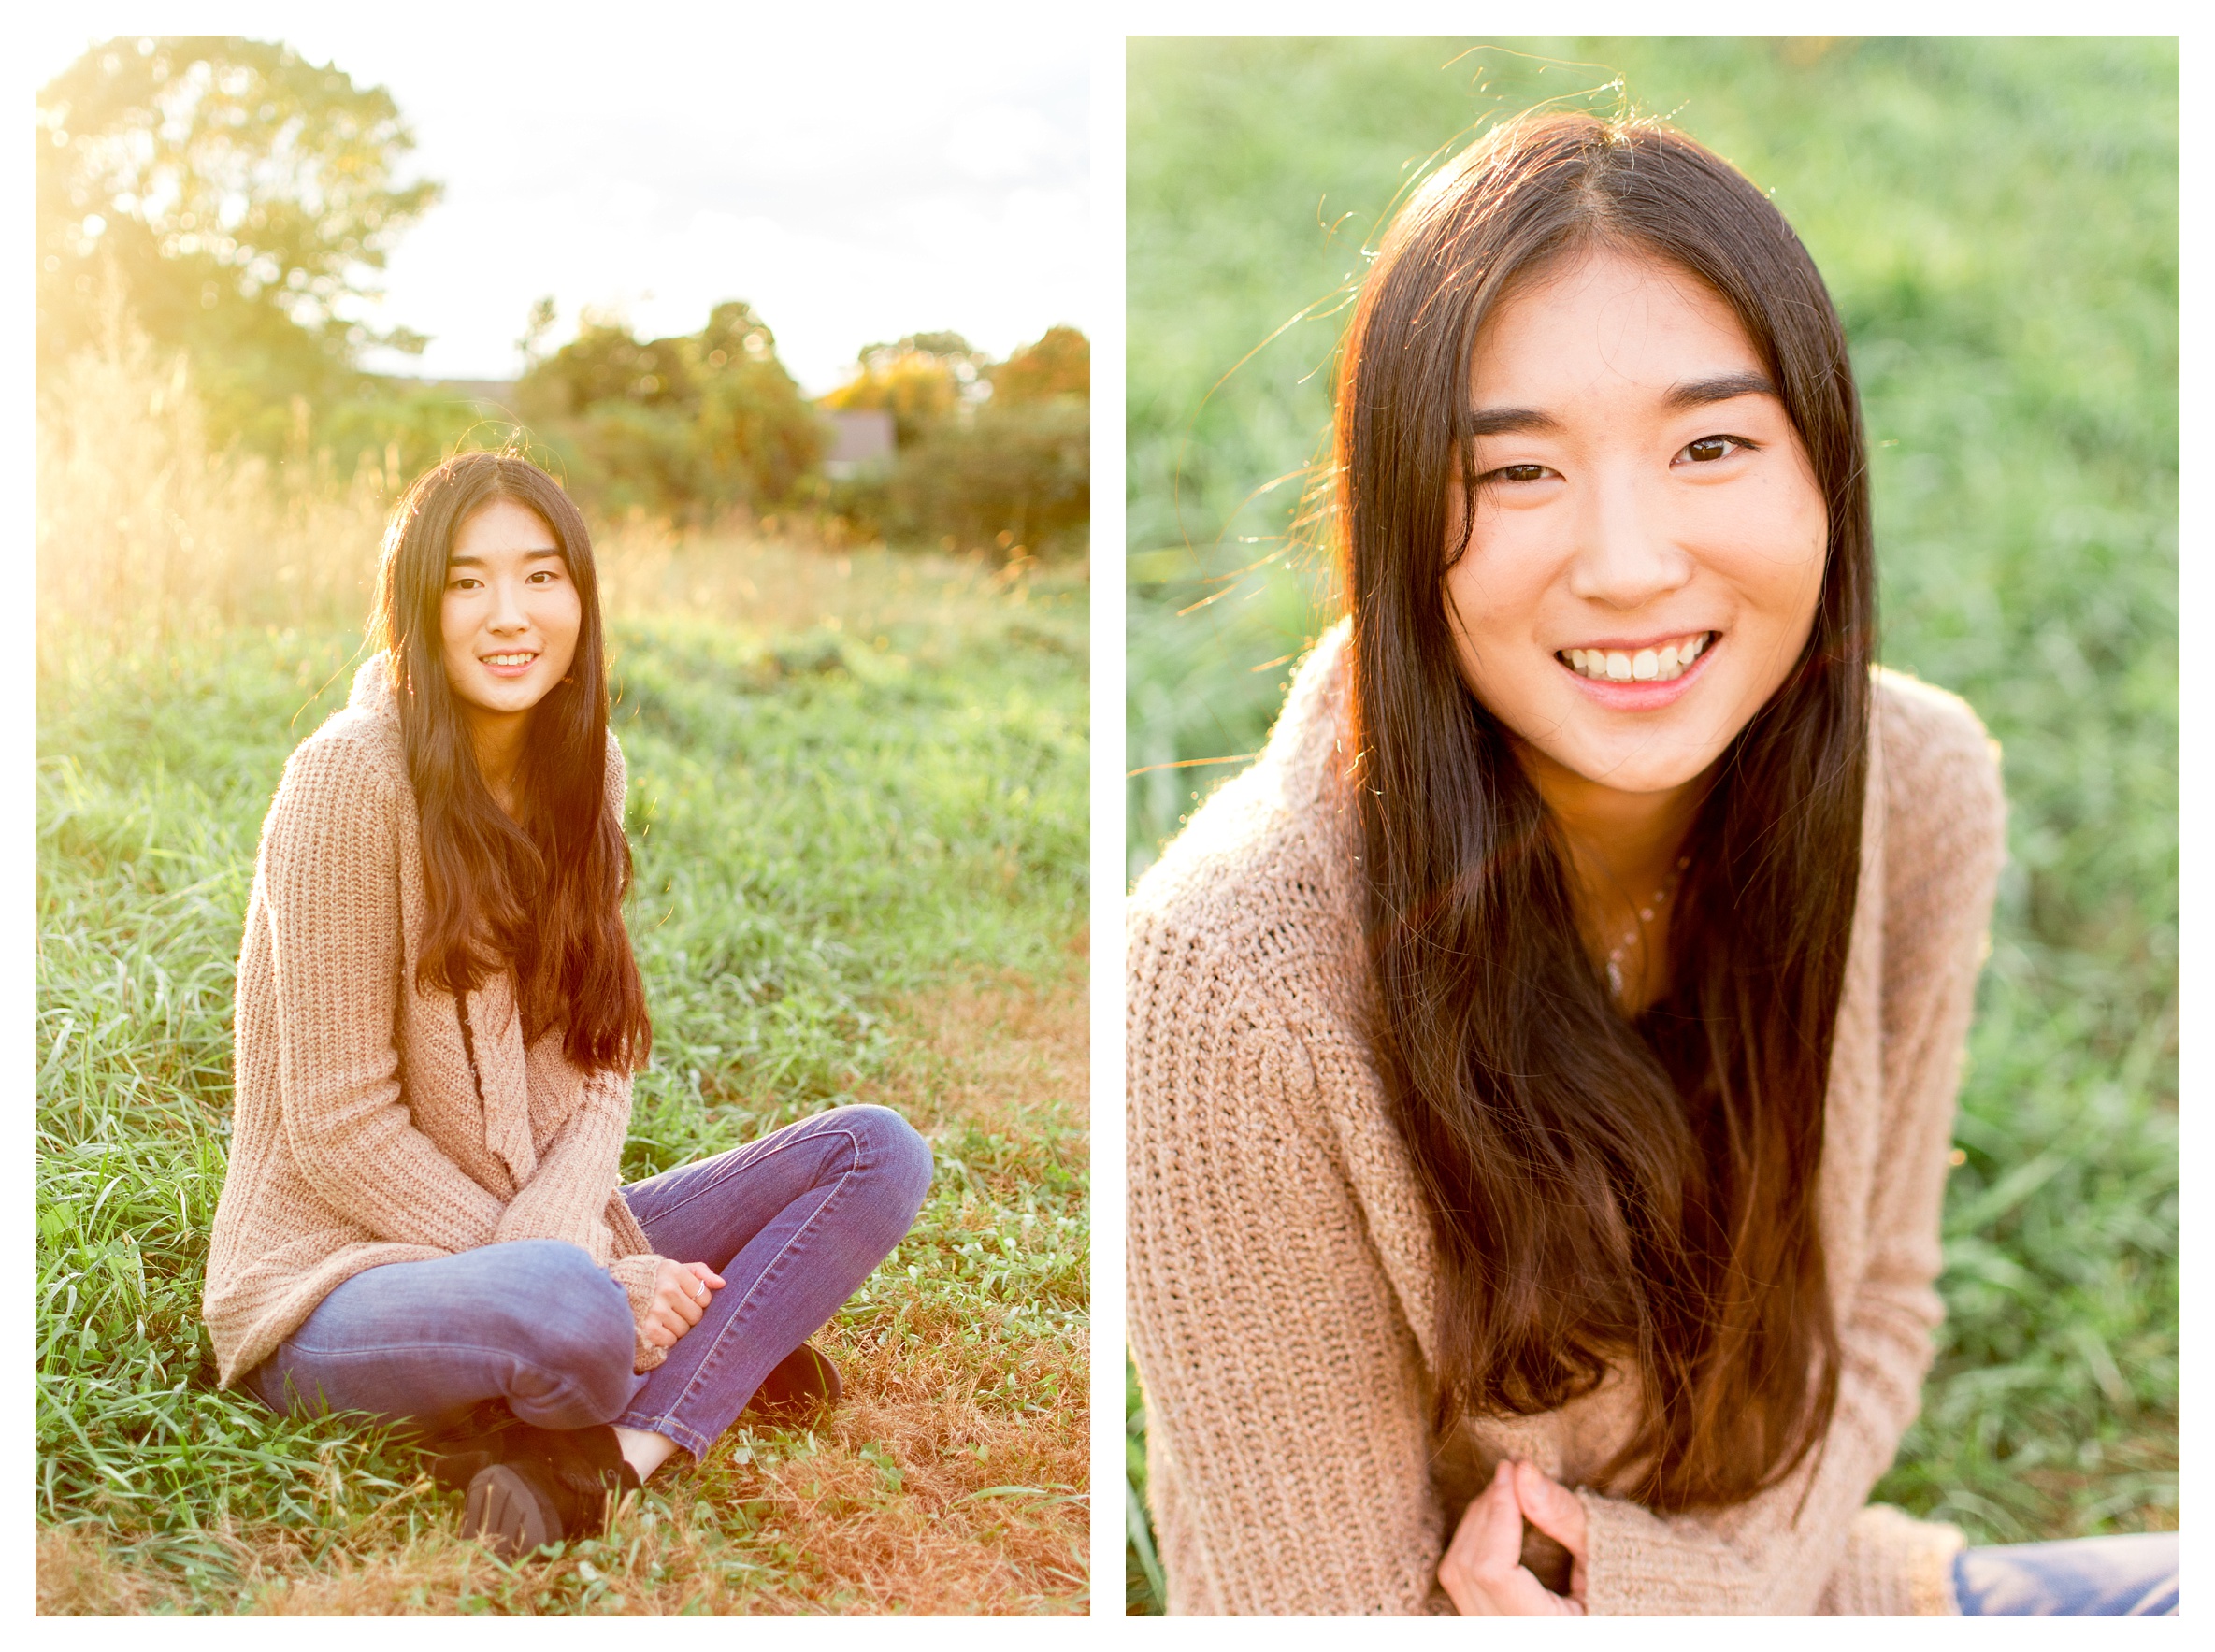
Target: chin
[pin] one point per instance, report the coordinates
(1641, 771)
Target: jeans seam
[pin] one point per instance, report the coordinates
(706, 1186)
(694, 1383)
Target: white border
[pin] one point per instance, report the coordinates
(1107, 826)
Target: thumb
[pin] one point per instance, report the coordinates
(1551, 1507)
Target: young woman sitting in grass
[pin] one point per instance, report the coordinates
(1542, 1061)
(439, 1016)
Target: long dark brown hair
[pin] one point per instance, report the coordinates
(1604, 1192)
(541, 893)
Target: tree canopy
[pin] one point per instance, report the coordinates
(989, 452)
(1058, 364)
(235, 197)
(698, 421)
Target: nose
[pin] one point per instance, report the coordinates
(1625, 555)
(506, 608)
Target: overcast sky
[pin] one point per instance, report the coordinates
(856, 180)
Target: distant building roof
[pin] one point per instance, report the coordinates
(859, 436)
(860, 439)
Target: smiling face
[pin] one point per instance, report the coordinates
(1647, 541)
(510, 616)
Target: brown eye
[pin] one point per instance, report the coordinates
(1710, 448)
(1521, 472)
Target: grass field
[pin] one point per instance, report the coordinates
(858, 802)
(1998, 222)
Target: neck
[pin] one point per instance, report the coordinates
(496, 738)
(1623, 847)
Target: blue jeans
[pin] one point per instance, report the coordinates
(2085, 1577)
(793, 1223)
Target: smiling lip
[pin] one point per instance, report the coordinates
(511, 662)
(1649, 693)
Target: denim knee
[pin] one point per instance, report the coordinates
(571, 1319)
(894, 1148)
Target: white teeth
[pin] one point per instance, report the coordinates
(1647, 664)
(507, 659)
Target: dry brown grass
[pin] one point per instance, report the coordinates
(933, 1488)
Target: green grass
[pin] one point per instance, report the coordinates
(1998, 222)
(861, 876)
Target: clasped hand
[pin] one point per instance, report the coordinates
(681, 1292)
(1483, 1570)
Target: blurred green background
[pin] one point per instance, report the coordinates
(1999, 223)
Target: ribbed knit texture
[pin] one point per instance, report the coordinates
(358, 1137)
(1282, 1271)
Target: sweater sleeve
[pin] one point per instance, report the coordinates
(1282, 1382)
(568, 1198)
(331, 891)
(1775, 1554)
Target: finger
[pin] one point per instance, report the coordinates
(1511, 1586)
(1486, 1551)
(680, 1304)
(713, 1279)
(1551, 1507)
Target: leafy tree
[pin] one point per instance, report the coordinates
(1012, 471)
(754, 422)
(921, 380)
(676, 425)
(1060, 364)
(240, 195)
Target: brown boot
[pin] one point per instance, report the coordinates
(802, 1381)
(543, 1486)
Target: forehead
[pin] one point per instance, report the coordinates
(501, 527)
(1605, 319)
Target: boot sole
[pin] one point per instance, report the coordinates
(508, 1514)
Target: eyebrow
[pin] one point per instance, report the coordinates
(1510, 422)
(1697, 393)
(464, 561)
(1692, 393)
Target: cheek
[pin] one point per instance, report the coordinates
(1495, 592)
(567, 617)
(458, 623)
(1797, 579)
(561, 618)
(1775, 557)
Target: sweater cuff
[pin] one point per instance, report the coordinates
(636, 1275)
(1894, 1566)
(1891, 1565)
(1639, 1564)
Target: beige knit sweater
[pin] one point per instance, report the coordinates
(358, 1137)
(1281, 1265)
